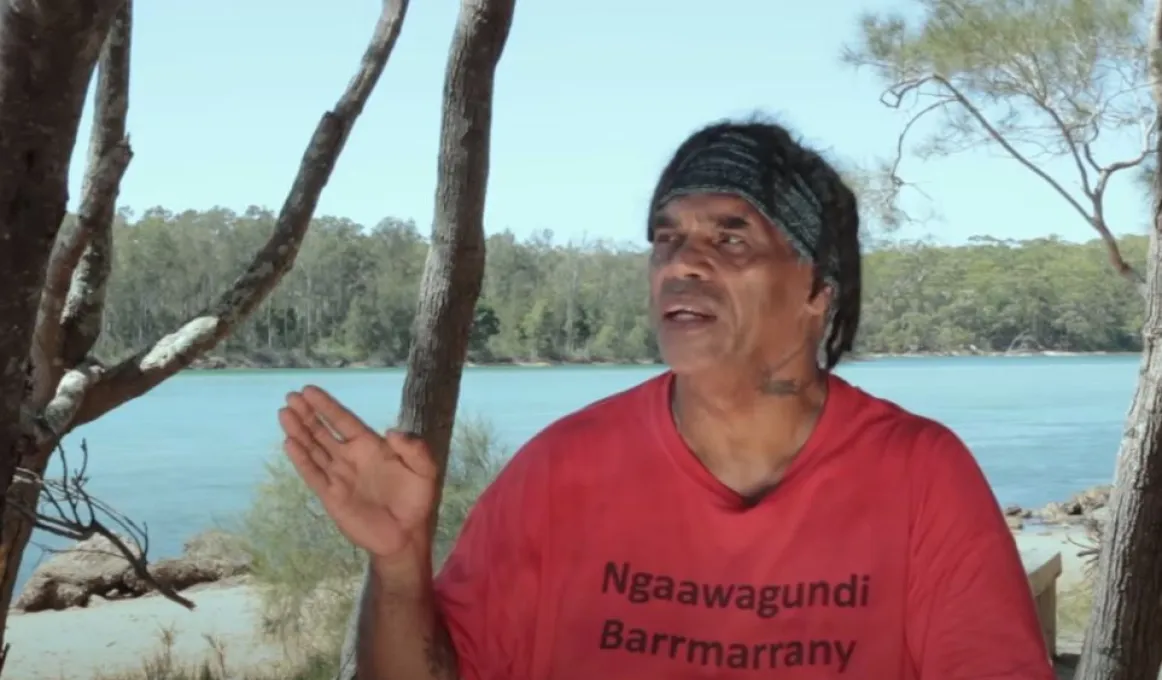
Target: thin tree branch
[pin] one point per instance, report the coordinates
(69, 316)
(1098, 198)
(149, 367)
(880, 188)
(995, 134)
(1095, 218)
(901, 140)
(66, 509)
(1075, 152)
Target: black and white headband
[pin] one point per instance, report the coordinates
(734, 162)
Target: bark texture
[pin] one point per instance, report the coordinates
(48, 50)
(454, 270)
(52, 317)
(1123, 640)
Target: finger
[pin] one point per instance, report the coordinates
(346, 424)
(413, 453)
(297, 431)
(318, 429)
(314, 476)
(294, 426)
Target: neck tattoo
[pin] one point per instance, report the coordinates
(779, 387)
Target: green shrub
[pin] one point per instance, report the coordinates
(309, 572)
(1074, 605)
(475, 461)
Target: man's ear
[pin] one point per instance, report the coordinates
(820, 302)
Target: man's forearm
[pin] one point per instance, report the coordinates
(400, 634)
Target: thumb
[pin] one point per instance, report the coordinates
(413, 452)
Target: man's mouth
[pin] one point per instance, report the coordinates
(685, 313)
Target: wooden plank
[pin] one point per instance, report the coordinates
(1043, 583)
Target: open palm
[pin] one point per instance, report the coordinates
(378, 490)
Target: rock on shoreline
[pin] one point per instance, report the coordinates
(95, 568)
(1086, 507)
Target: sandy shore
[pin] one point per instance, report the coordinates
(80, 643)
(1038, 544)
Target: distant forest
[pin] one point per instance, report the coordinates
(352, 294)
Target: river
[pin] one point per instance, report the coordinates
(188, 454)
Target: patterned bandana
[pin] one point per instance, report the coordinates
(734, 162)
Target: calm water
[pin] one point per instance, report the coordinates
(189, 452)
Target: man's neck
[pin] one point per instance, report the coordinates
(746, 430)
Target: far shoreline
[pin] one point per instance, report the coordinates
(298, 361)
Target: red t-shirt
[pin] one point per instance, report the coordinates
(605, 550)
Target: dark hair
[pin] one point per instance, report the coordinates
(839, 241)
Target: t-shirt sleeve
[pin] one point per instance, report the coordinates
(970, 610)
(488, 589)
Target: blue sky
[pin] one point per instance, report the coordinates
(591, 98)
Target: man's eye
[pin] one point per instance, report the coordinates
(731, 239)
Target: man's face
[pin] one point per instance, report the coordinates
(726, 288)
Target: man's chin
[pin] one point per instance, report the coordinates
(689, 359)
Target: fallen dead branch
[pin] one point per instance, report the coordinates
(66, 509)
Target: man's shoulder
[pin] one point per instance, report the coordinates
(884, 428)
(600, 421)
(573, 447)
(919, 451)
(874, 415)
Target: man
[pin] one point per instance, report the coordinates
(745, 514)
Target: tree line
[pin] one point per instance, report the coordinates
(351, 297)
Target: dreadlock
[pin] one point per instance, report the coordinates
(783, 162)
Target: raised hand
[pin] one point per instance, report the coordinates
(378, 490)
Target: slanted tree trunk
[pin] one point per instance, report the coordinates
(1123, 640)
(50, 320)
(454, 270)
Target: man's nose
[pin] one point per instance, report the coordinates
(690, 260)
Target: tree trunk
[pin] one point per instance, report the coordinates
(1123, 634)
(1123, 639)
(48, 51)
(65, 389)
(454, 270)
